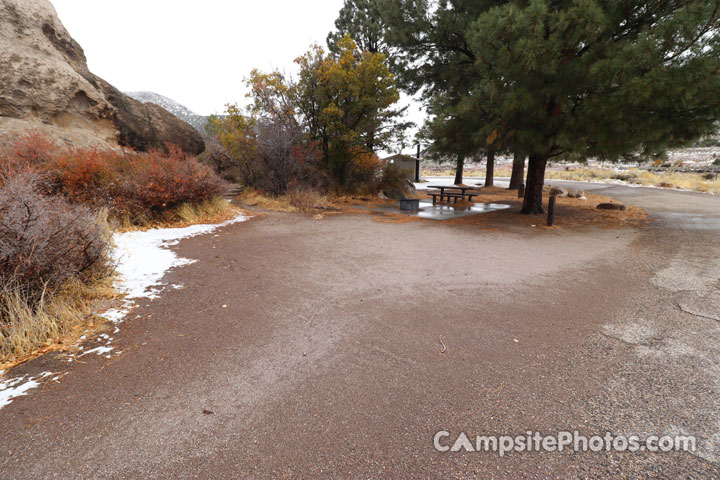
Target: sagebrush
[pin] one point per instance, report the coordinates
(44, 240)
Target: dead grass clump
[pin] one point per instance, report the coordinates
(253, 198)
(30, 326)
(195, 212)
(215, 210)
(688, 181)
(307, 200)
(293, 202)
(695, 182)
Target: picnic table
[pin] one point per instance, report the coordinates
(453, 194)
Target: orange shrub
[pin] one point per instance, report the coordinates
(365, 170)
(84, 175)
(137, 185)
(154, 182)
(30, 150)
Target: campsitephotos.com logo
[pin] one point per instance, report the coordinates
(444, 442)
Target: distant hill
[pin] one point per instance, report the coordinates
(182, 112)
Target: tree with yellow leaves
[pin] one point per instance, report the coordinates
(345, 101)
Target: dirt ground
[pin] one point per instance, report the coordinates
(346, 343)
(570, 212)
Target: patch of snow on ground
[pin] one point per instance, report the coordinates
(99, 350)
(143, 259)
(17, 387)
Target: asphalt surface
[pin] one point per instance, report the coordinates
(346, 344)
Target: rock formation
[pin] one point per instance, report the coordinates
(45, 85)
(195, 120)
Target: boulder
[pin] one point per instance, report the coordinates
(576, 193)
(394, 193)
(46, 86)
(611, 206)
(404, 190)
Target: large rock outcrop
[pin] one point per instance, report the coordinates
(45, 85)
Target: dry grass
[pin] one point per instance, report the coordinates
(55, 322)
(30, 328)
(570, 213)
(293, 202)
(215, 210)
(678, 180)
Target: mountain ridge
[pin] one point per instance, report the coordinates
(195, 120)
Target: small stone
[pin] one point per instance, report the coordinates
(612, 206)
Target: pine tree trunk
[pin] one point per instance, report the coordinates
(459, 171)
(490, 172)
(370, 143)
(518, 171)
(535, 182)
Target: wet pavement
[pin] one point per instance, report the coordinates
(444, 211)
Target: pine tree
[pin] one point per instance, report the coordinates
(587, 78)
(597, 78)
(449, 132)
(362, 21)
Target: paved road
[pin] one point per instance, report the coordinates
(347, 344)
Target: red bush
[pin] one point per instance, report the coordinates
(32, 149)
(155, 182)
(85, 176)
(138, 185)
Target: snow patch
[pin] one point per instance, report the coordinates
(17, 387)
(143, 259)
(98, 350)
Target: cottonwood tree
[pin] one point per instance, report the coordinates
(347, 103)
(266, 142)
(339, 110)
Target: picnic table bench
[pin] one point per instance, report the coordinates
(454, 194)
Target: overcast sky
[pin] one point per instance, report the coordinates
(196, 52)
